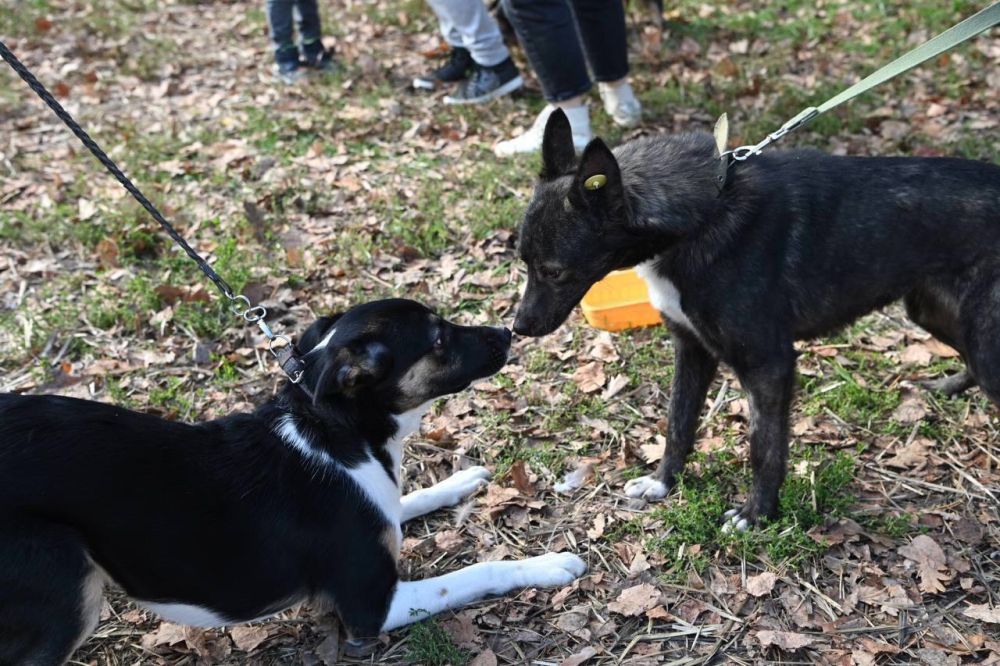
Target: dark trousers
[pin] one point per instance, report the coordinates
(281, 18)
(562, 37)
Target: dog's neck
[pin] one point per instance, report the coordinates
(347, 434)
(669, 185)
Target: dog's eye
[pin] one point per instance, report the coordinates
(551, 272)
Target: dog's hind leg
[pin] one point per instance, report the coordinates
(449, 492)
(50, 594)
(935, 308)
(694, 369)
(981, 331)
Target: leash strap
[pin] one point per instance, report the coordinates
(292, 366)
(950, 38)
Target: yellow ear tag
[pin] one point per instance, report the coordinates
(596, 182)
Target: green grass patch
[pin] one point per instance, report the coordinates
(692, 515)
(846, 397)
(429, 644)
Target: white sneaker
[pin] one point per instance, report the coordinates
(531, 140)
(621, 104)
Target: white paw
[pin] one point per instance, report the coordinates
(646, 487)
(734, 522)
(550, 570)
(461, 484)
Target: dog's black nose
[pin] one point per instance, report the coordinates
(507, 335)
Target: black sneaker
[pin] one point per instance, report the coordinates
(315, 56)
(459, 62)
(287, 66)
(487, 83)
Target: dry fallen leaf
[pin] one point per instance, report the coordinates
(579, 658)
(652, 453)
(939, 348)
(167, 633)
(930, 560)
(597, 530)
(107, 253)
(590, 377)
(635, 600)
(247, 638)
(913, 455)
(450, 541)
(761, 584)
(786, 640)
(484, 658)
(983, 612)
(916, 354)
(575, 479)
(604, 348)
(615, 386)
(912, 409)
(519, 475)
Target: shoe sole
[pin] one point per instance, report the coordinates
(505, 89)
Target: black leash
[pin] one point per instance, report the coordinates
(291, 364)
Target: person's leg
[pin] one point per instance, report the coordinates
(459, 59)
(311, 34)
(493, 73)
(468, 24)
(547, 33)
(279, 19)
(602, 31)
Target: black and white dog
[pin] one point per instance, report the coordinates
(796, 244)
(237, 519)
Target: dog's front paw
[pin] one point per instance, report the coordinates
(742, 519)
(549, 570)
(647, 487)
(733, 521)
(464, 483)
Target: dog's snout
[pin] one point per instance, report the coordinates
(523, 325)
(506, 336)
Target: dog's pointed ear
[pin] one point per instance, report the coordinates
(558, 153)
(351, 368)
(598, 178)
(319, 330)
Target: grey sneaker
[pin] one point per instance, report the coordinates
(487, 83)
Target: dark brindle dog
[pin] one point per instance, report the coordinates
(797, 244)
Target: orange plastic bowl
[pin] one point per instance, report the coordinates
(618, 302)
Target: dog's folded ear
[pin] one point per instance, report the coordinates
(348, 369)
(558, 152)
(598, 179)
(319, 329)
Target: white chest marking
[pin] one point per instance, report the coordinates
(326, 340)
(664, 296)
(371, 478)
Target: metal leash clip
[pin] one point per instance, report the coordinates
(745, 152)
(290, 363)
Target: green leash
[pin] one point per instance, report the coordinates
(948, 39)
